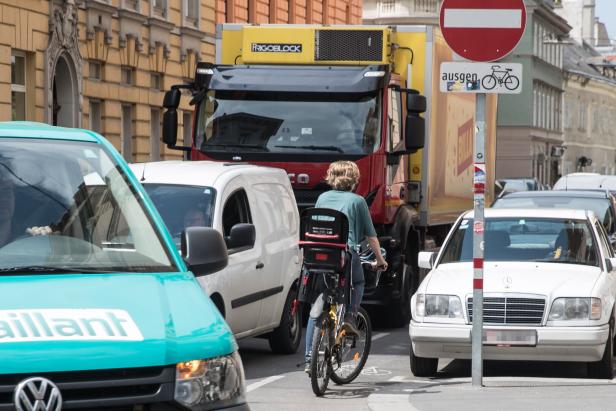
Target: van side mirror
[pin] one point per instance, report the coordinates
(242, 236)
(415, 125)
(204, 250)
(425, 259)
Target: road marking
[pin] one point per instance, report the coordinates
(379, 335)
(375, 371)
(263, 382)
(404, 378)
(483, 18)
(390, 402)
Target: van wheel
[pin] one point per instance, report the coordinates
(423, 367)
(399, 313)
(286, 338)
(604, 369)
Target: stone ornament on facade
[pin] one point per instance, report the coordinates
(63, 43)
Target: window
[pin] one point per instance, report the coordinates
(131, 4)
(95, 116)
(156, 81)
(127, 132)
(191, 12)
(127, 76)
(159, 8)
(18, 85)
(96, 70)
(235, 211)
(155, 134)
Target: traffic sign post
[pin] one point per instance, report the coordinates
(481, 31)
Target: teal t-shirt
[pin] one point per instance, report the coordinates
(356, 210)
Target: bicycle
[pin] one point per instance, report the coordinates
(500, 77)
(334, 354)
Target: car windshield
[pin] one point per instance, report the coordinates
(68, 207)
(182, 206)
(288, 123)
(526, 239)
(599, 206)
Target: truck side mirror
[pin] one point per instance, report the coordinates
(170, 119)
(415, 125)
(204, 250)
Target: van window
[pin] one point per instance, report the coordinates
(278, 210)
(235, 211)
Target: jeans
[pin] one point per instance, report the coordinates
(357, 274)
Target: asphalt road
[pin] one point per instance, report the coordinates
(274, 382)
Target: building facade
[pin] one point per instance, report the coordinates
(105, 64)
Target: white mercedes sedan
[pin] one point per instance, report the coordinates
(549, 291)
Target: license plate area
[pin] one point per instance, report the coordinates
(509, 338)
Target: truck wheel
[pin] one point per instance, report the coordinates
(286, 338)
(423, 367)
(604, 369)
(399, 313)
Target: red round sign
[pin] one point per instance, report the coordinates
(483, 30)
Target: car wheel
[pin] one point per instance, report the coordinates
(423, 367)
(604, 369)
(399, 313)
(286, 338)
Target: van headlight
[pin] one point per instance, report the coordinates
(211, 383)
(438, 306)
(571, 309)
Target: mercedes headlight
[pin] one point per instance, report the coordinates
(211, 383)
(438, 306)
(570, 309)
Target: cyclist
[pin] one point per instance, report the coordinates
(343, 177)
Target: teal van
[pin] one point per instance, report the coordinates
(98, 310)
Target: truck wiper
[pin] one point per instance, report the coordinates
(41, 269)
(237, 145)
(313, 147)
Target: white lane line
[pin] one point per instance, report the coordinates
(390, 402)
(483, 18)
(379, 335)
(263, 382)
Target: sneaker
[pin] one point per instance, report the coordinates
(307, 366)
(349, 326)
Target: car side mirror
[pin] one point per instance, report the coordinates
(241, 237)
(610, 264)
(425, 259)
(204, 250)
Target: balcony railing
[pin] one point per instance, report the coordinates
(401, 8)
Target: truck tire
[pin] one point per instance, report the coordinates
(604, 369)
(423, 367)
(399, 313)
(286, 338)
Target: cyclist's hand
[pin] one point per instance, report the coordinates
(382, 265)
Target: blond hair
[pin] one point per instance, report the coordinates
(342, 175)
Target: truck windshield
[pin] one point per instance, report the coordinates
(66, 206)
(288, 123)
(182, 206)
(547, 240)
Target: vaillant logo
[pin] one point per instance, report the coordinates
(67, 325)
(276, 48)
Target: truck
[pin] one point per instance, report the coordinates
(301, 96)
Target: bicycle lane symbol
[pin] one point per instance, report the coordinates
(500, 77)
(374, 371)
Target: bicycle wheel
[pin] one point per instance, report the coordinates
(488, 82)
(512, 83)
(349, 358)
(320, 360)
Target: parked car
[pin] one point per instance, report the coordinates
(255, 210)
(549, 291)
(520, 184)
(586, 181)
(602, 203)
(97, 307)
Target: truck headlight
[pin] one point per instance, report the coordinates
(211, 383)
(439, 306)
(566, 309)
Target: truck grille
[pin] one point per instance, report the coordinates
(308, 197)
(117, 389)
(510, 310)
(348, 45)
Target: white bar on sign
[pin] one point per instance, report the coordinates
(483, 18)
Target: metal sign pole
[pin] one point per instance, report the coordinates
(479, 181)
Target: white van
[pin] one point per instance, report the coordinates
(255, 210)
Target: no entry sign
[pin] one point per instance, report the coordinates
(483, 30)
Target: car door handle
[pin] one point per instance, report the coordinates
(260, 265)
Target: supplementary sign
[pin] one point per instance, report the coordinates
(482, 30)
(467, 77)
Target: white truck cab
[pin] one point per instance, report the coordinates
(255, 210)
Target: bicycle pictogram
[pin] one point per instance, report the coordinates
(500, 77)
